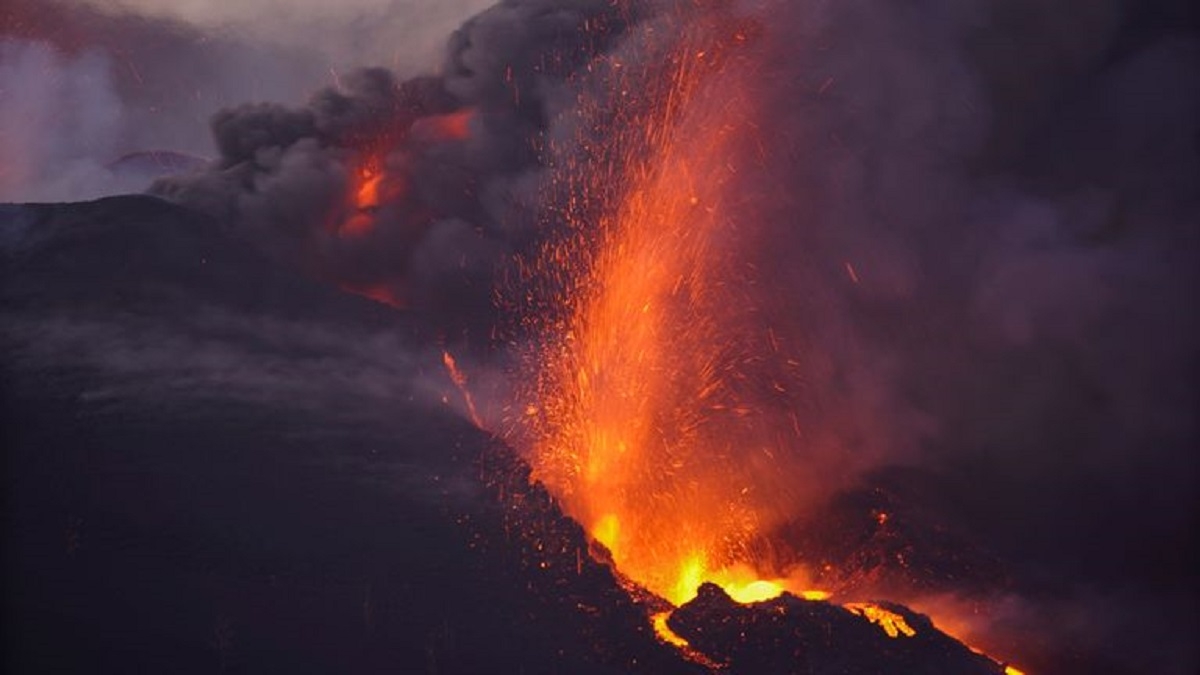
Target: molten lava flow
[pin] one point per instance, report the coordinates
(892, 623)
(367, 195)
(664, 631)
(460, 381)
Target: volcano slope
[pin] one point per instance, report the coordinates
(214, 464)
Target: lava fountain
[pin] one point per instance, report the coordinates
(660, 398)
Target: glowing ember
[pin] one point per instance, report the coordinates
(892, 623)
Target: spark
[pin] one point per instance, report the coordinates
(851, 272)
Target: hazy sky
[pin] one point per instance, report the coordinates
(403, 34)
(148, 74)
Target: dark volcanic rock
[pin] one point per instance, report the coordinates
(802, 637)
(215, 465)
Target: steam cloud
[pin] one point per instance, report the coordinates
(981, 216)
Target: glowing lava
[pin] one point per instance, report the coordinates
(645, 422)
(892, 623)
(664, 631)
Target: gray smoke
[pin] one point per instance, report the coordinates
(457, 201)
(1016, 187)
(87, 84)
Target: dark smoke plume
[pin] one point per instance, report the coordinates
(461, 200)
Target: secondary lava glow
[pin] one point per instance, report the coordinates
(367, 192)
(460, 382)
(664, 631)
(378, 186)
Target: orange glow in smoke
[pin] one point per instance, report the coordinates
(367, 194)
(373, 183)
(370, 186)
(455, 126)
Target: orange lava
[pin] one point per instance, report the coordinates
(890, 622)
(642, 422)
(664, 632)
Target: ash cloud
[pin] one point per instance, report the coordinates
(1015, 187)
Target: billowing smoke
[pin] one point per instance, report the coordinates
(455, 159)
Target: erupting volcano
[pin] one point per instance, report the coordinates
(647, 420)
(659, 337)
(662, 397)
